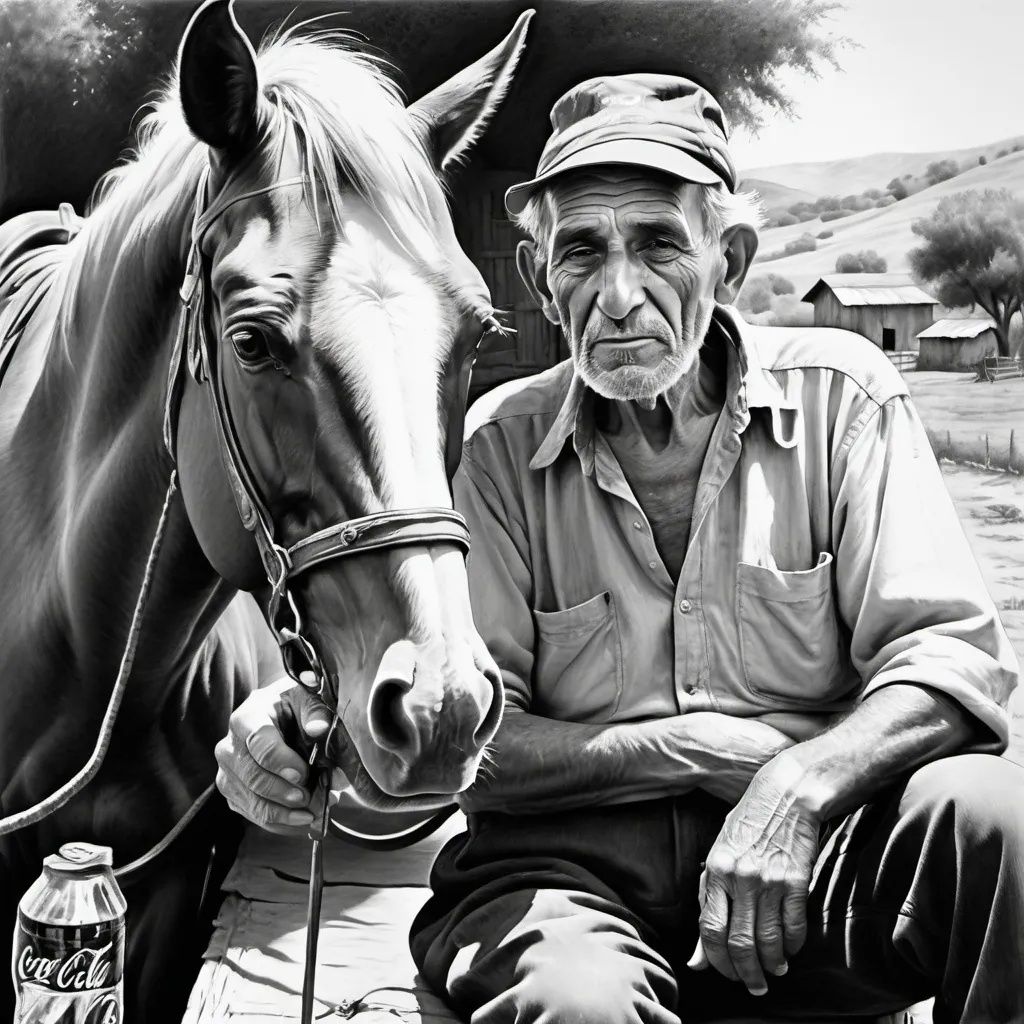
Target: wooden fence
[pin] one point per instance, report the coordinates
(903, 361)
(999, 368)
(983, 450)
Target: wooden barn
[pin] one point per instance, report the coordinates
(57, 141)
(956, 344)
(888, 309)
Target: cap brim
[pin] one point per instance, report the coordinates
(632, 152)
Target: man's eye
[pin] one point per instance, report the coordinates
(579, 253)
(662, 247)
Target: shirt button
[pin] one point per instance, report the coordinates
(637, 525)
(685, 606)
(652, 565)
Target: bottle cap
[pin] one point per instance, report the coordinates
(80, 857)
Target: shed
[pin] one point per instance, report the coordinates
(888, 309)
(956, 344)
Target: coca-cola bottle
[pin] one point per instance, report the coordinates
(69, 941)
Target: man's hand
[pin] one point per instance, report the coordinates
(753, 892)
(262, 778)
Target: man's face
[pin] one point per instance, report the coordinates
(631, 278)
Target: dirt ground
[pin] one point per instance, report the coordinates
(990, 504)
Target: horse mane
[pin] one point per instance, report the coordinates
(351, 124)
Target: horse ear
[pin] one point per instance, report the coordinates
(217, 78)
(455, 114)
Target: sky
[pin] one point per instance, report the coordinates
(931, 75)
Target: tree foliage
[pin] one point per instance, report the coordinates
(973, 255)
(867, 261)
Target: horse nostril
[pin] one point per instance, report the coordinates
(390, 723)
(495, 706)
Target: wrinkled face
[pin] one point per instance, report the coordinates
(631, 277)
(337, 352)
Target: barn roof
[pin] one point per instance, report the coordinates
(958, 328)
(871, 290)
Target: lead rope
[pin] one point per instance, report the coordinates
(56, 800)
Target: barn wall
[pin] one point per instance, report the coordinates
(955, 353)
(490, 239)
(907, 321)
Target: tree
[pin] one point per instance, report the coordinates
(747, 52)
(973, 255)
(941, 170)
(865, 262)
(897, 189)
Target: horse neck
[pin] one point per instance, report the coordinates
(120, 336)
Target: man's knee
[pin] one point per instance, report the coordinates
(584, 986)
(979, 794)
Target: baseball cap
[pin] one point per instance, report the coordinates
(663, 122)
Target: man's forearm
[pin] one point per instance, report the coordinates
(539, 765)
(893, 731)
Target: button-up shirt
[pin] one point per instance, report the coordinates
(825, 557)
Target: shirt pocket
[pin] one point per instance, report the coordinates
(577, 675)
(790, 641)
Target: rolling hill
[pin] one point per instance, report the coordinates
(773, 195)
(886, 231)
(853, 175)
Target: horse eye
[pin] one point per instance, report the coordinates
(251, 345)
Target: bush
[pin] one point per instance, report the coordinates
(799, 209)
(982, 160)
(941, 170)
(756, 296)
(805, 243)
(897, 189)
(835, 215)
(828, 203)
(1017, 147)
(781, 285)
(884, 202)
(856, 203)
(825, 234)
(1002, 153)
(873, 193)
(865, 262)
(786, 220)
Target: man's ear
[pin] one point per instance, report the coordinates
(739, 246)
(535, 276)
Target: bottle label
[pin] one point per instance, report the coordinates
(68, 958)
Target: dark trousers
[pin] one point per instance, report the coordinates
(589, 917)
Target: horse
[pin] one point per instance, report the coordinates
(231, 401)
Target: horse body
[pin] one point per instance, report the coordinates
(316, 311)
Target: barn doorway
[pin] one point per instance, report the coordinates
(888, 339)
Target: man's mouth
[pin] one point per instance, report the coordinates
(626, 341)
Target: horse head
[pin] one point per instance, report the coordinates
(335, 323)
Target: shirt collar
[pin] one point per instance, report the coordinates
(752, 387)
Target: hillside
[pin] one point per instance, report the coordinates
(886, 231)
(853, 175)
(773, 195)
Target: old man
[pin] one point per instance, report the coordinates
(755, 684)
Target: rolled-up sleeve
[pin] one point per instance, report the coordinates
(500, 583)
(909, 587)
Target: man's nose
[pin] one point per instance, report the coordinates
(622, 286)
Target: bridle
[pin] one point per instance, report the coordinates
(374, 532)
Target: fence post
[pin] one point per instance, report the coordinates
(988, 462)
(1010, 460)
(949, 445)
